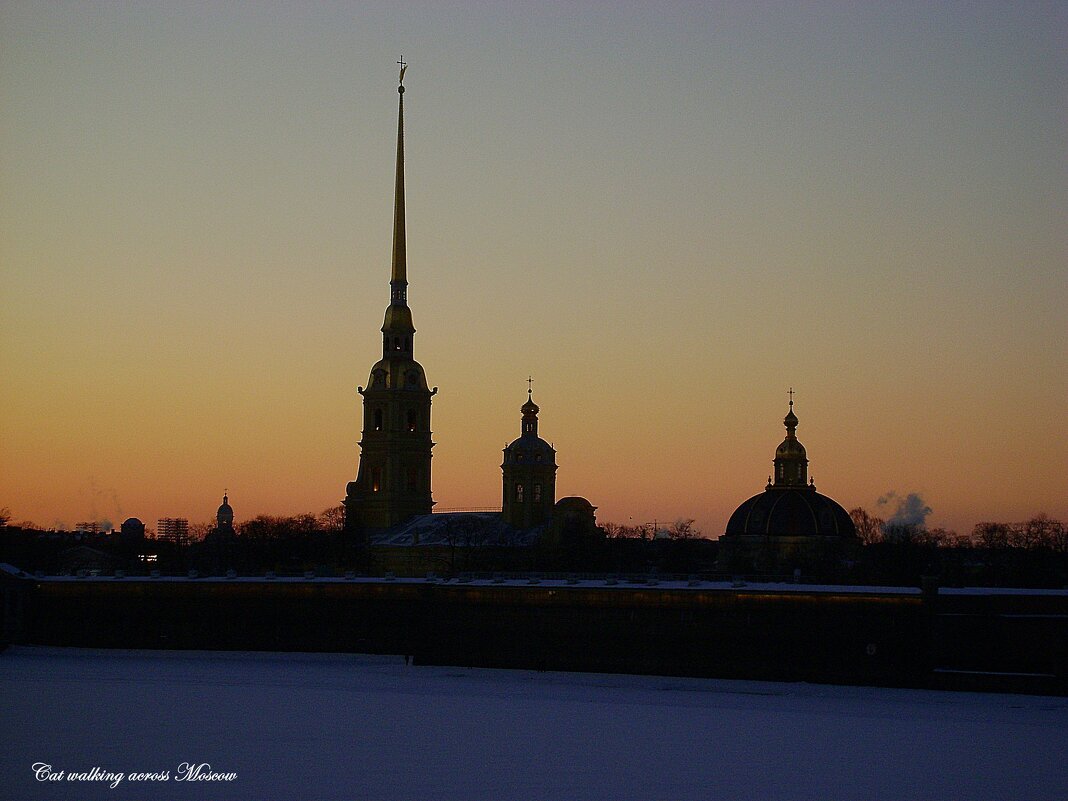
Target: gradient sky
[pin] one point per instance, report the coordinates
(667, 213)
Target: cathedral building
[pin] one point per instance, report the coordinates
(389, 506)
(789, 524)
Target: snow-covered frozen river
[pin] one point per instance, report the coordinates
(342, 726)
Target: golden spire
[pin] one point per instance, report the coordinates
(399, 278)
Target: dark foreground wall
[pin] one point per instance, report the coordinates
(980, 640)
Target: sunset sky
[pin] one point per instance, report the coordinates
(666, 213)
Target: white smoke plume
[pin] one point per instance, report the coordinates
(903, 510)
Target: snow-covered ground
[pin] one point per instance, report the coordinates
(341, 726)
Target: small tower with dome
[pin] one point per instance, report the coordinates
(224, 518)
(791, 461)
(529, 473)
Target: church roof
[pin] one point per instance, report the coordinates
(791, 512)
(531, 445)
(528, 446)
(791, 507)
(457, 529)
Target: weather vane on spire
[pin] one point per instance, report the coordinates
(403, 67)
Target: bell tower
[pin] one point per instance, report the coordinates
(529, 474)
(393, 480)
(791, 460)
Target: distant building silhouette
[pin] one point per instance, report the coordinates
(82, 559)
(789, 524)
(132, 530)
(574, 519)
(224, 521)
(393, 481)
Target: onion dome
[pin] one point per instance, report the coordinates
(791, 461)
(529, 447)
(530, 409)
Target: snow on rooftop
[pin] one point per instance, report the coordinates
(457, 529)
(334, 726)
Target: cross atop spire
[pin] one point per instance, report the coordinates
(403, 67)
(530, 385)
(791, 394)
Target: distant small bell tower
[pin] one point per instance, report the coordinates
(224, 520)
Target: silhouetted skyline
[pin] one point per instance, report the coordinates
(666, 215)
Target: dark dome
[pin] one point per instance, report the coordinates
(791, 512)
(397, 372)
(530, 449)
(574, 503)
(790, 448)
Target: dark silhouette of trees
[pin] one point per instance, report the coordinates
(198, 531)
(684, 529)
(869, 527)
(1041, 531)
(639, 531)
(332, 519)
